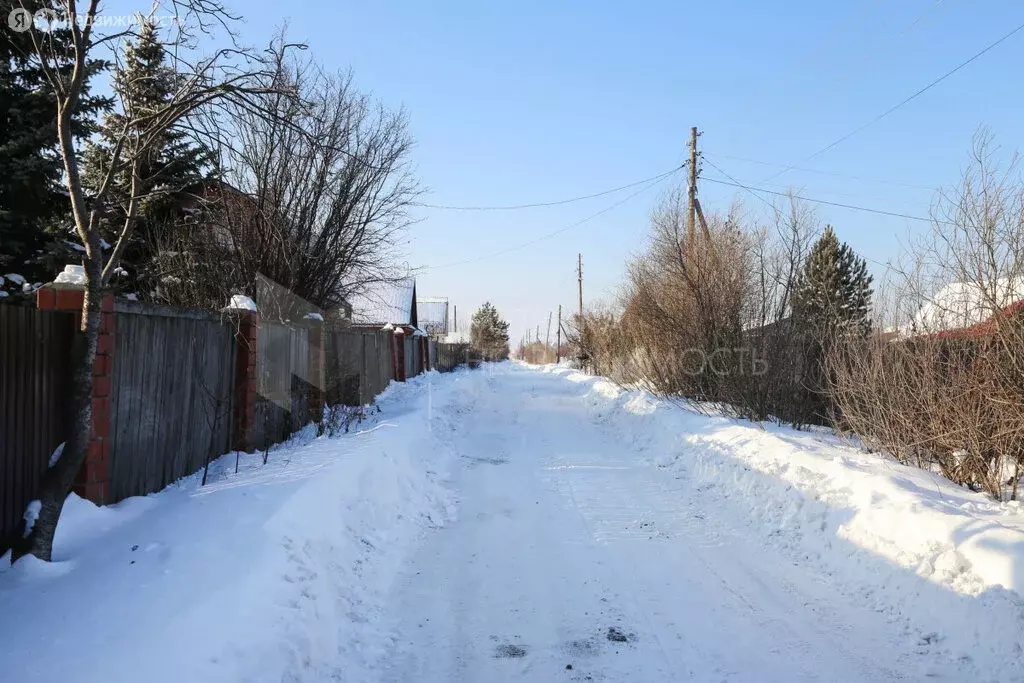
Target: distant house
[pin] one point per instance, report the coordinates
(387, 303)
(433, 315)
(966, 309)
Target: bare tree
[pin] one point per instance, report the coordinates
(229, 76)
(314, 197)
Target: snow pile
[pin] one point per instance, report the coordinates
(240, 302)
(938, 559)
(71, 275)
(278, 572)
(314, 316)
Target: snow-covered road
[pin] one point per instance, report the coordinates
(571, 559)
(530, 524)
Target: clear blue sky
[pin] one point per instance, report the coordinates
(530, 101)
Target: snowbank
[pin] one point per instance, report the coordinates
(876, 527)
(275, 573)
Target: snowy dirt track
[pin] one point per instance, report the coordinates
(575, 557)
(521, 524)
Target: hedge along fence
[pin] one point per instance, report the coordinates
(173, 388)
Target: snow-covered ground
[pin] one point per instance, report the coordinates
(523, 524)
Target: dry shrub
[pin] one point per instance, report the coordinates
(946, 389)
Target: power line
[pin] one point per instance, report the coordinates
(816, 201)
(651, 183)
(554, 203)
(821, 172)
(893, 108)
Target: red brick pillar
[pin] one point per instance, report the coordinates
(399, 337)
(93, 480)
(316, 375)
(247, 335)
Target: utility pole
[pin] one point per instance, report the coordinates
(455, 323)
(558, 335)
(691, 216)
(547, 339)
(579, 276)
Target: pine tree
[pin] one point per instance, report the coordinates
(33, 203)
(488, 333)
(175, 164)
(833, 294)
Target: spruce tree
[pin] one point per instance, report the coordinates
(33, 203)
(833, 294)
(174, 165)
(488, 333)
(831, 302)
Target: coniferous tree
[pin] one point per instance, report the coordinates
(175, 164)
(488, 333)
(833, 294)
(831, 302)
(33, 204)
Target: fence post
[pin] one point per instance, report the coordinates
(93, 480)
(247, 334)
(316, 376)
(398, 338)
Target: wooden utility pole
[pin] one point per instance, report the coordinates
(547, 339)
(691, 216)
(558, 336)
(579, 276)
(455, 322)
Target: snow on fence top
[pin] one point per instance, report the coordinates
(240, 302)
(71, 275)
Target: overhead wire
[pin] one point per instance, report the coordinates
(903, 102)
(558, 202)
(651, 182)
(817, 201)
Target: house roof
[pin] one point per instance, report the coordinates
(432, 312)
(965, 304)
(386, 302)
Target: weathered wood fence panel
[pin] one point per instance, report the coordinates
(358, 365)
(172, 397)
(282, 403)
(35, 359)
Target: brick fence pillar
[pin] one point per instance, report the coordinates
(316, 377)
(247, 335)
(93, 480)
(399, 341)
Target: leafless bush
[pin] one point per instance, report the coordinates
(945, 389)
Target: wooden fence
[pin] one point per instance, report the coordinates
(35, 357)
(358, 365)
(184, 387)
(172, 395)
(283, 382)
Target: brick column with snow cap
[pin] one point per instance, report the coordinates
(243, 312)
(67, 293)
